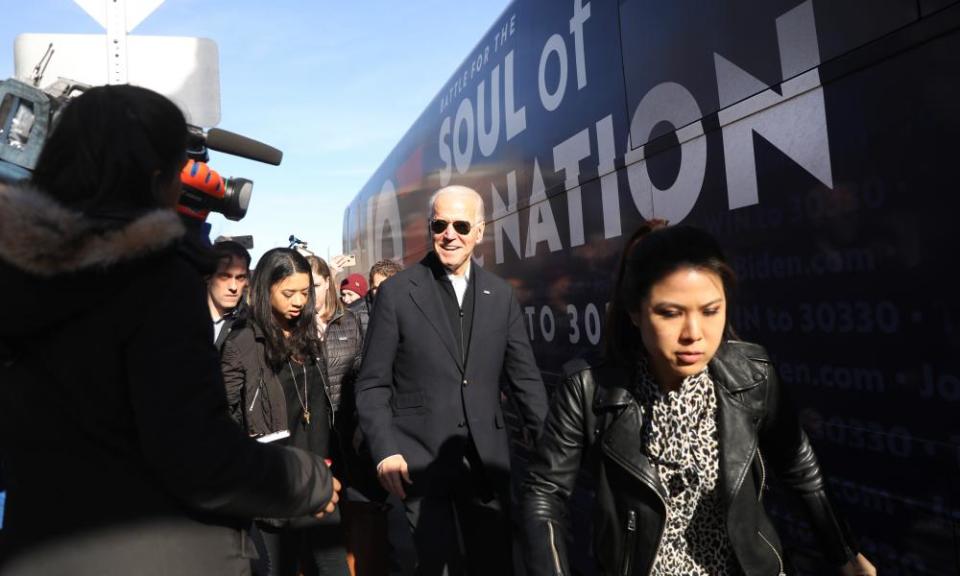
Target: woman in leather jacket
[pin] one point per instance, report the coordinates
(276, 382)
(680, 428)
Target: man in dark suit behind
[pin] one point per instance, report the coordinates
(428, 395)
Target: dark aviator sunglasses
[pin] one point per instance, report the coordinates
(460, 226)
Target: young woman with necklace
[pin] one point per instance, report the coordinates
(277, 386)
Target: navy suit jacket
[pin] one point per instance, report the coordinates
(413, 390)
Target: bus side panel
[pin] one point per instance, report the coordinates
(830, 182)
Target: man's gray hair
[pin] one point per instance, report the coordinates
(480, 215)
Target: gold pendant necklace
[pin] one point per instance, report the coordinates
(302, 401)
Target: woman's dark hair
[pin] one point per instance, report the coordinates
(108, 144)
(273, 267)
(333, 305)
(653, 252)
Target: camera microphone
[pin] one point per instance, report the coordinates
(237, 145)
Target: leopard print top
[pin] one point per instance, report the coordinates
(680, 437)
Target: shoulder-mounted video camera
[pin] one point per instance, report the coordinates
(28, 115)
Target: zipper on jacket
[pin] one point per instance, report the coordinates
(255, 395)
(763, 476)
(763, 479)
(775, 553)
(666, 512)
(630, 544)
(553, 550)
(326, 392)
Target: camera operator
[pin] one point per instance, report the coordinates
(118, 449)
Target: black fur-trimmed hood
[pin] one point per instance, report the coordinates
(43, 238)
(55, 262)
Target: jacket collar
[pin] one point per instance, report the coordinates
(615, 389)
(732, 369)
(732, 372)
(426, 296)
(337, 315)
(40, 236)
(614, 402)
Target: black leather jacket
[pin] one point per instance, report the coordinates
(594, 422)
(255, 396)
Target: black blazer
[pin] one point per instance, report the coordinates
(413, 390)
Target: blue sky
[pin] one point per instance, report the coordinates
(335, 85)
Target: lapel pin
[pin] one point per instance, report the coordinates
(486, 292)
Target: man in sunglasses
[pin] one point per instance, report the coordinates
(443, 335)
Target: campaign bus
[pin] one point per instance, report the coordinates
(817, 139)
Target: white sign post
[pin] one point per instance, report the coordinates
(186, 70)
(118, 17)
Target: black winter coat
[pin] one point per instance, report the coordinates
(595, 422)
(119, 454)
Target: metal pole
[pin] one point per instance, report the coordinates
(117, 41)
